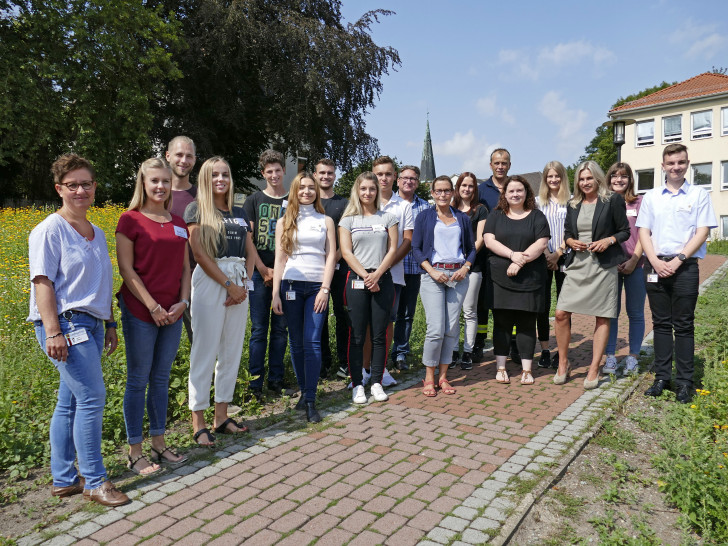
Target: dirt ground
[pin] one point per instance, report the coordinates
(610, 493)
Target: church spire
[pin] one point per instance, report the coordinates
(427, 167)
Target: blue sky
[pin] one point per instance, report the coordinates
(535, 77)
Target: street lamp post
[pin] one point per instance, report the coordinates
(618, 126)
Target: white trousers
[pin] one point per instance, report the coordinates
(470, 310)
(218, 335)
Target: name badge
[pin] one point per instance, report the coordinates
(632, 212)
(284, 204)
(338, 266)
(562, 268)
(241, 222)
(652, 277)
(290, 295)
(180, 232)
(378, 227)
(357, 285)
(250, 285)
(77, 335)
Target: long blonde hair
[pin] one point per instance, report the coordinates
(603, 191)
(354, 206)
(211, 225)
(139, 196)
(544, 191)
(290, 218)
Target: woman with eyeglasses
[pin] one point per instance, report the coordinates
(70, 300)
(631, 275)
(151, 249)
(442, 243)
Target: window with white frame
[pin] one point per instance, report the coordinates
(645, 133)
(645, 180)
(724, 227)
(724, 175)
(724, 121)
(671, 129)
(703, 175)
(702, 124)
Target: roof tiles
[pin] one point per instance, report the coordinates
(705, 84)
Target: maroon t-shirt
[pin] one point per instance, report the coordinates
(159, 253)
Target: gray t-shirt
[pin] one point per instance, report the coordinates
(369, 236)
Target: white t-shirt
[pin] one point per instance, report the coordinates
(402, 211)
(79, 269)
(308, 261)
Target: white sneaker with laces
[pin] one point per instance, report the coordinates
(611, 366)
(378, 393)
(358, 396)
(366, 376)
(388, 380)
(632, 366)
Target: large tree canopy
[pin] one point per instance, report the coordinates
(114, 80)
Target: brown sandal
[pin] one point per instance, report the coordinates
(429, 389)
(502, 376)
(526, 378)
(446, 387)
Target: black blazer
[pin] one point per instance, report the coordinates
(610, 220)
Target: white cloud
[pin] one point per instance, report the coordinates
(707, 47)
(569, 122)
(520, 62)
(531, 65)
(488, 106)
(473, 151)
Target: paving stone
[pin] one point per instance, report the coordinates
(84, 530)
(454, 523)
(476, 502)
(191, 479)
(133, 506)
(484, 523)
(495, 514)
(153, 496)
(465, 513)
(61, 540)
(441, 535)
(107, 518)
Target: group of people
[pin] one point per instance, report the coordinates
(188, 255)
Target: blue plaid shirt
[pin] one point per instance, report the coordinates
(411, 267)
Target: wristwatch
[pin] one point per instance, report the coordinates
(325, 290)
(228, 283)
(682, 257)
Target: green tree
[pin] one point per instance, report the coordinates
(286, 74)
(80, 76)
(346, 181)
(601, 148)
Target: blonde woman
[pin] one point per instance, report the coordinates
(304, 266)
(225, 255)
(596, 225)
(151, 249)
(553, 196)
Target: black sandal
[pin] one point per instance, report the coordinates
(222, 429)
(132, 466)
(209, 434)
(161, 460)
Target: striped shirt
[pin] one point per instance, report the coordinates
(411, 267)
(556, 217)
(79, 269)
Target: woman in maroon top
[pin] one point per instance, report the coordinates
(151, 248)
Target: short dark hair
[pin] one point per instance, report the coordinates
(673, 149)
(271, 156)
(410, 168)
(500, 150)
(66, 163)
(383, 160)
(325, 161)
(441, 178)
(528, 204)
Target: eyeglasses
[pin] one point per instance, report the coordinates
(73, 186)
(622, 176)
(442, 192)
(408, 179)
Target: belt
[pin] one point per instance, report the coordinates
(439, 265)
(68, 315)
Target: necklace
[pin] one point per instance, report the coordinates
(156, 217)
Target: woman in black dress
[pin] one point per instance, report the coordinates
(516, 234)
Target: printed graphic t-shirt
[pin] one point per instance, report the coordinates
(236, 227)
(263, 212)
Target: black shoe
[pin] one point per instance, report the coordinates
(545, 360)
(466, 362)
(342, 372)
(657, 387)
(276, 387)
(477, 354)
(312, 414)
(684, 394)
(301, 404)
(402, 364)
(255, 393)
(555, 360)
(515, 355)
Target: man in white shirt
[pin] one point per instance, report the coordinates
(674, 223)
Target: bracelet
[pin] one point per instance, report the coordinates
(111, 324)
(56, 335)
(186, 302)
(511, 256)
(157, 308)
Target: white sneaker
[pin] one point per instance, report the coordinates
(378, 393)
(388, 380)
(611, 366)
(358, 396)
(366, 376)
(632, 367)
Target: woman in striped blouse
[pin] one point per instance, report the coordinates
(552, 198)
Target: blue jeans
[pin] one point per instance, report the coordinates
(260, 316)
(304, 333)
(442, 305)
(635, 293)
(150, 352)
(405, 316)
(77, 419)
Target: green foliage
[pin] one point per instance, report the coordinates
(613, 437)
(346, 181)
(718, 246)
